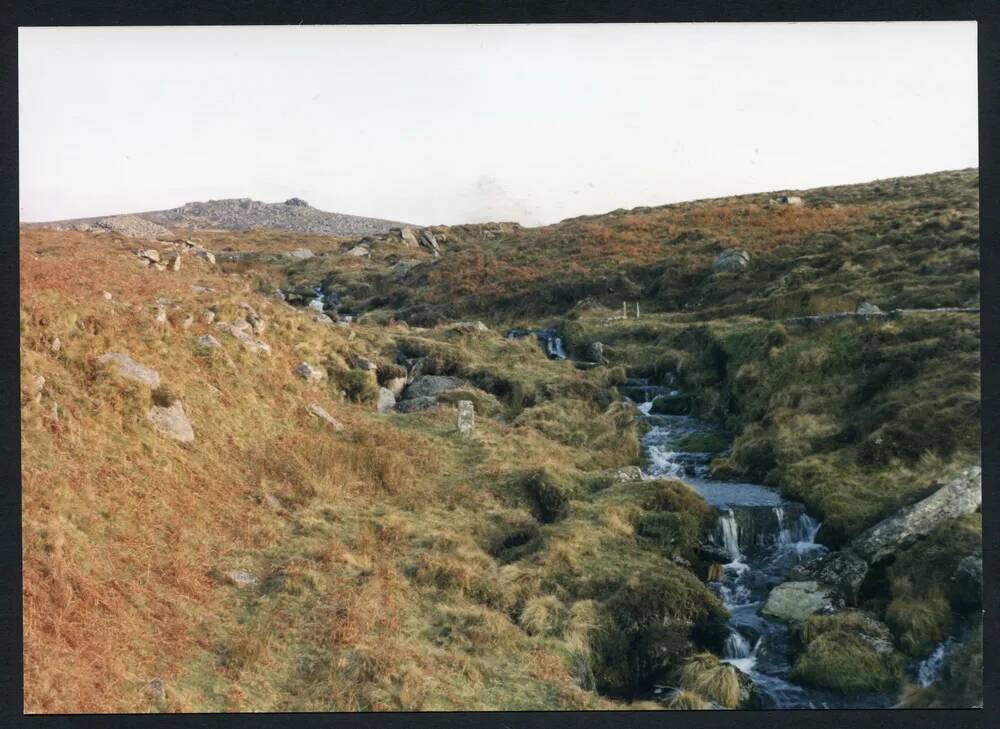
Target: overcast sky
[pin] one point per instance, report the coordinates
(450, 124)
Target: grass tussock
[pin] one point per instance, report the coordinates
(704, 675)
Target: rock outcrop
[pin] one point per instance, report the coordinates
(128, 368)
(171, 422)
(796, 601)
(431, 385)
(731, 260)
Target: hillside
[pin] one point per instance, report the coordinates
(323, 537)
(294, 214)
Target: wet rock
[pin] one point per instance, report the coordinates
(730, 260)
(671, 405)
(171, 422)
(595, 352)
(309, 373)
(968, 577)
(466, 417)
(842, 571)
(316, 411)
(386, 400)
(795, 601)
(128, 368)
(961, 496)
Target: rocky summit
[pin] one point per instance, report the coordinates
(243, 213)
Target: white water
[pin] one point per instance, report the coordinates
(762, 536)
(929, 669)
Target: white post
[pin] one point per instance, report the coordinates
(637, 310)
(624, 311)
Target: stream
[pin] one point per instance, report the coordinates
(762, 536)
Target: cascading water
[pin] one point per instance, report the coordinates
(759, 537)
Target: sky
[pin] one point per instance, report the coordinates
(451, 124)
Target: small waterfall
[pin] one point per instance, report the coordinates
(929, 669)
(729, 530)
(736, 646)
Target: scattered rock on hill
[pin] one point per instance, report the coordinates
(247, 340)
(130, 369)
(429, 242)
(240, 578)
(316, 411)
(132, 226)
(467, 327)
(386, 400)
(172, 422)
(595, 352)
(867, 309)
(466, 417)
(208, 341)
(359, 251)
(300, 254)
(730, 260)
(148, 255)
(309, 373)
(407, 237)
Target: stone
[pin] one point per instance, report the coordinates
(171, 422)
(107, 295)
(36, 384)
(309, 373)
(175, 262)
(430, 385)
(396, 385)
(467, 327)
(417, 404)
(408, 238)
(428, 240)
(960, 496)
(301, 254)
(209, 316)
(673, 404)
(386, 400)
(208, 341)
(188, 322)
(132, 226)
(272, 501)
(359, 251)
(247, 340)
(595, 352)
(240, 578)
(466, 417)
(402, 268)
(796, 601)
(130, 369)
(160, 266)
(296, 202)
(55, 346)
(843, 571)
(362, 363)
(157, 690)
(161, 315)
(969, 576)
(731, 260)
(150, 254)
(208, 256)
(626, 473)
(316, 411)
(793, 200)
(867, 309)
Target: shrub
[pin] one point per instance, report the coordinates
(920, 621)
(704, 675)
(361, 386)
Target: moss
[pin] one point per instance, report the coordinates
(703, 443)
(920, 621)
(671, 405)
(846, 652)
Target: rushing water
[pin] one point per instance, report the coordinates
(761, 535)
(549, 339)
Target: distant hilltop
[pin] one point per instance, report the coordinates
(246, 214)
